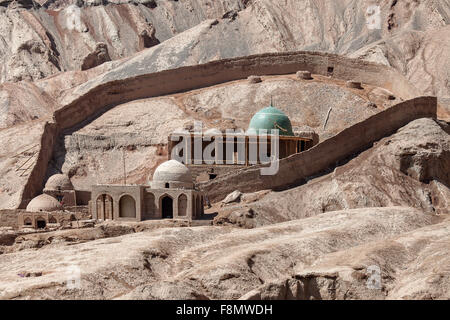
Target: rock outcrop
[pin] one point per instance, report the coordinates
(299, 259)
(99, 56)
(56, 36)
(422, 56)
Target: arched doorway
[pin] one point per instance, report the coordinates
(182, 205)
(127, 207)
(40, 223)
(52, 219)
(167, 207)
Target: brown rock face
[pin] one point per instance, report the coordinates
(43, 38)
(147, 38)
(96, 58)
(423, 57)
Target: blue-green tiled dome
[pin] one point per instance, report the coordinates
(270, 118)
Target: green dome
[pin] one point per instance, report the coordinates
(270, 118)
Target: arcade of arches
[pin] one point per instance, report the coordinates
(142, 203)
(169, 195)
(40, 220)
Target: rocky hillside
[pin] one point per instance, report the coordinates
(423, 57)
(410, 168)
(328, 256)
(385, 210)
(90, 153)
(85, 84)
(192, 32)
(38, 40)
(46, 37)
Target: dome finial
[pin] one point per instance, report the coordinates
(271, 100)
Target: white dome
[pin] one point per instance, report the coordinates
(172, 174)
(43, 202)
(58, 182)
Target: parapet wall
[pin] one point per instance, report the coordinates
(35, 182)
(106, 93)
(297, 168)
(8, 218)
(91, 101)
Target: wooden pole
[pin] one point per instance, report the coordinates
(326, 120)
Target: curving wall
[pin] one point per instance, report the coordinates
(298, 168)
(104, 92)
(35, 182)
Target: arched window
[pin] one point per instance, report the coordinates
(28, 222)
(127, 206)
(52, 219)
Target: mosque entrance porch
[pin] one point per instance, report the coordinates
(167, 207)
(40, 223)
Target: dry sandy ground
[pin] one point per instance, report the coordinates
(321, 257)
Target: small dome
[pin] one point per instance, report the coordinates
(270, 118)
(172, 174)
(43, 202)
(58, 182)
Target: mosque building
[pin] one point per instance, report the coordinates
(171, 192)
(245, 147)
